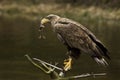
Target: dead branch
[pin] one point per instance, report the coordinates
(49, 69)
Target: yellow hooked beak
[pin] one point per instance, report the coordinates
(44, 20)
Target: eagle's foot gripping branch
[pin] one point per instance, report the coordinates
(68, 64)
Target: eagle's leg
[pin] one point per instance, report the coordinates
(68, 63)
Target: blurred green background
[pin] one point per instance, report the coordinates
(19, 24)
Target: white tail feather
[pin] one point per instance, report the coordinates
(101, 61)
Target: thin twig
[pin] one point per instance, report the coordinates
(35, 64)
(85, 75)
(48, 64)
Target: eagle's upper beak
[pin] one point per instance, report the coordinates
(43, 21)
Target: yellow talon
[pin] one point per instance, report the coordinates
(67, 64)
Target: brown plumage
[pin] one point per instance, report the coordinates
(77, 38)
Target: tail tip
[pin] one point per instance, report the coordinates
(101, 61)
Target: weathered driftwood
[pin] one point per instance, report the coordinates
(50, 70)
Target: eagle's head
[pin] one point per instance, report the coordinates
(51, 18)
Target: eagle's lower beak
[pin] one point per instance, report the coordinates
(43, 21)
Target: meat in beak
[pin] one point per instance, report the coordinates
(41, 27)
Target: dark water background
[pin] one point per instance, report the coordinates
(19, 36)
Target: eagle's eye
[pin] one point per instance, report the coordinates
(49, 17)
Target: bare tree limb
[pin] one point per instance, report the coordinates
(50, 70)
